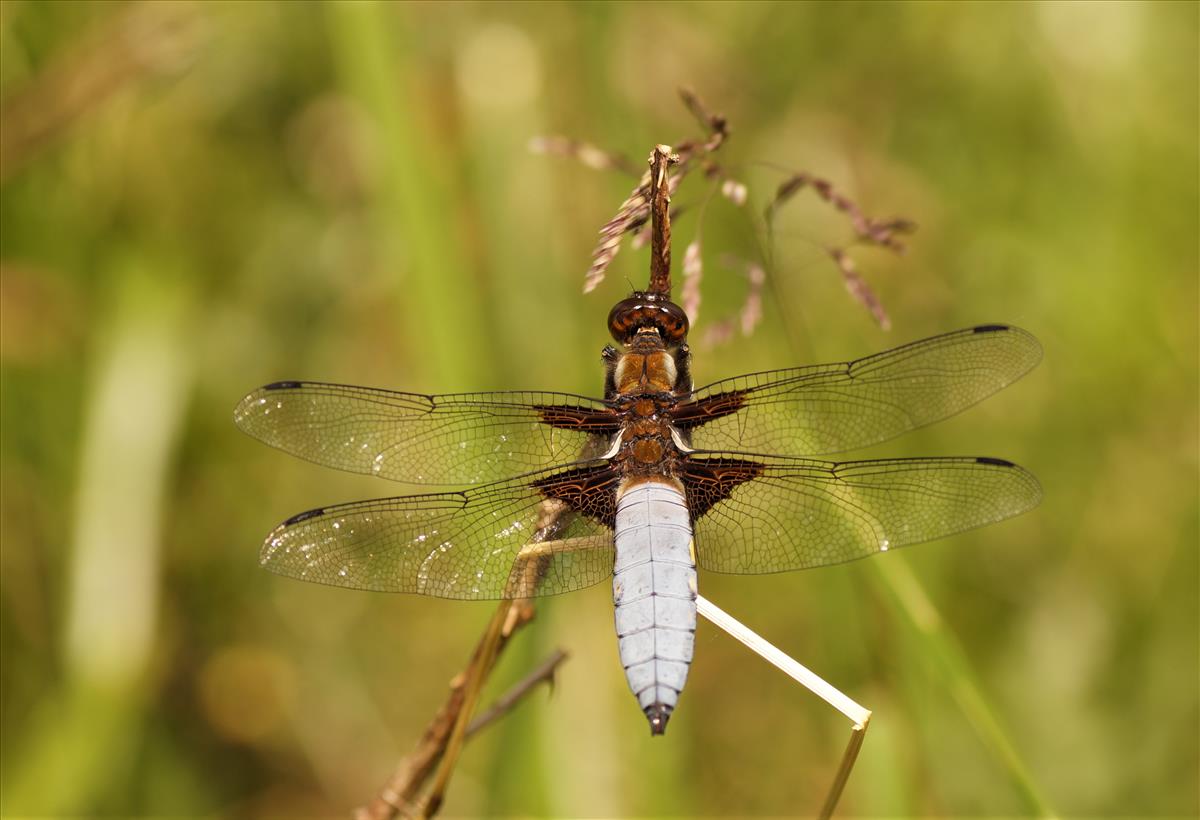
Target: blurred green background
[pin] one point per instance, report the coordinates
(200, 198)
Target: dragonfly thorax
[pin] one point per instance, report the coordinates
(647, 367)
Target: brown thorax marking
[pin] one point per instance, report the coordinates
(646, 367)
(646, 443)
(645, 378)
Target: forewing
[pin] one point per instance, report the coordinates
(836, 407)
(465, 438)
(512, 539)
(771, 515)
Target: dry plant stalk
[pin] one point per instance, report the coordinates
(634, 213)
(660, 221)
(641, 237)
(506, 702)
(633, 217)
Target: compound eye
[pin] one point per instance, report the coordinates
(647, 310)
(620, 319)
(673, 322)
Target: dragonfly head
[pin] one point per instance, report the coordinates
(653, 330)
(644, 311)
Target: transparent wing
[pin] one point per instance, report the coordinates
(466, 438)
(461, 545)
(831, 408)
(771, 515)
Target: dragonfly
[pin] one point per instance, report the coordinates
(557, 492)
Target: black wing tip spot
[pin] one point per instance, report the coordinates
(304, 516)
(991, 328)
(995, 462)
(282, 385)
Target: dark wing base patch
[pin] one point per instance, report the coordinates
(589, 491)
(707, 481)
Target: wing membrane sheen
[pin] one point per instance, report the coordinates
(464, 438)
(461, 545)
(832, 408)
(762, 515)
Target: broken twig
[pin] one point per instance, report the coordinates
(660, 221)
(505, 703)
